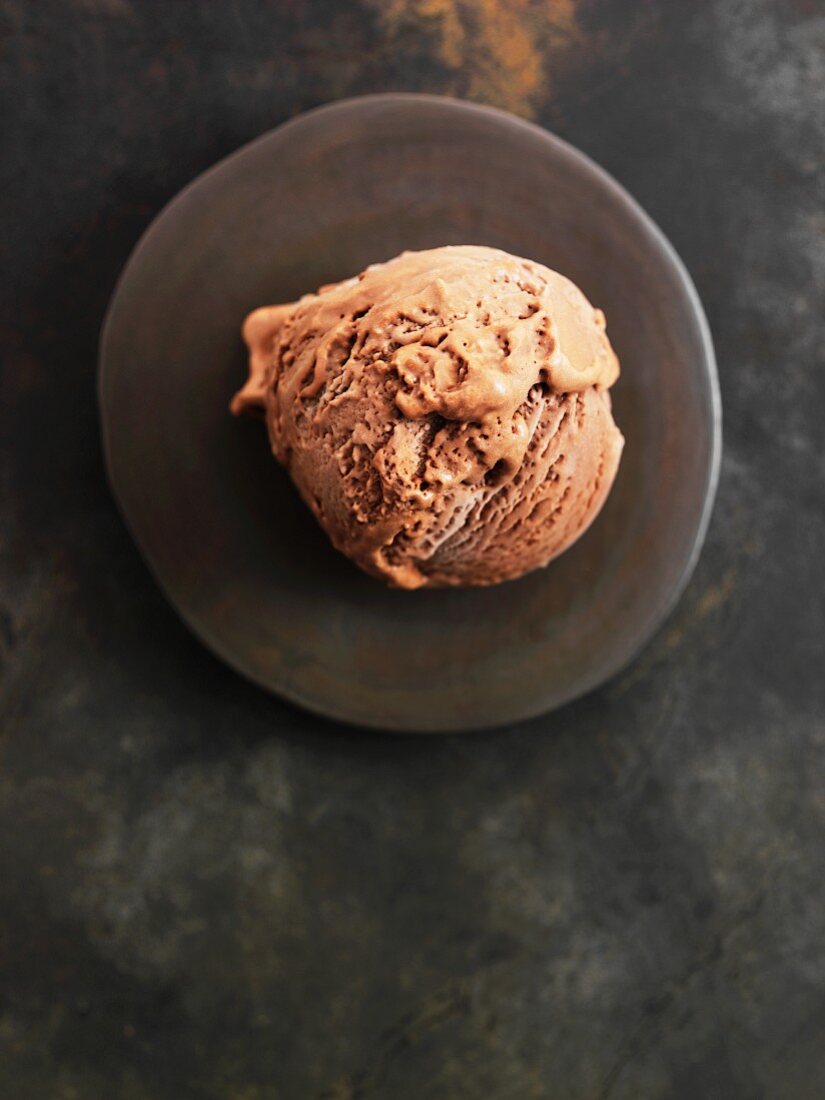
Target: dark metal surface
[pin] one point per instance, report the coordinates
(332, 192)
(207, 893)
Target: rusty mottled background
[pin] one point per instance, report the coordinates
(205, 893)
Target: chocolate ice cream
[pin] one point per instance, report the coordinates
(445, 415)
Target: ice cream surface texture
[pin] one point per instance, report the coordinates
(445, 415)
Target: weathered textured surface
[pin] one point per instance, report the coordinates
(203, 892)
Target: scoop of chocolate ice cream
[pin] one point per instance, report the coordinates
(445, 415)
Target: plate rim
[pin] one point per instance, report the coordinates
(651, 626)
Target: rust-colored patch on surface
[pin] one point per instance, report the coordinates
(500, 52)
(713, 599)
(716, 595)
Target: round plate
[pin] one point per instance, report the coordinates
(219, 522)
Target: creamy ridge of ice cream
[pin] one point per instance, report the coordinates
(445, 415)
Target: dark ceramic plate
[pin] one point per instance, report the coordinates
(219, 523)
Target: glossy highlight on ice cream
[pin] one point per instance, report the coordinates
(446, 415)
